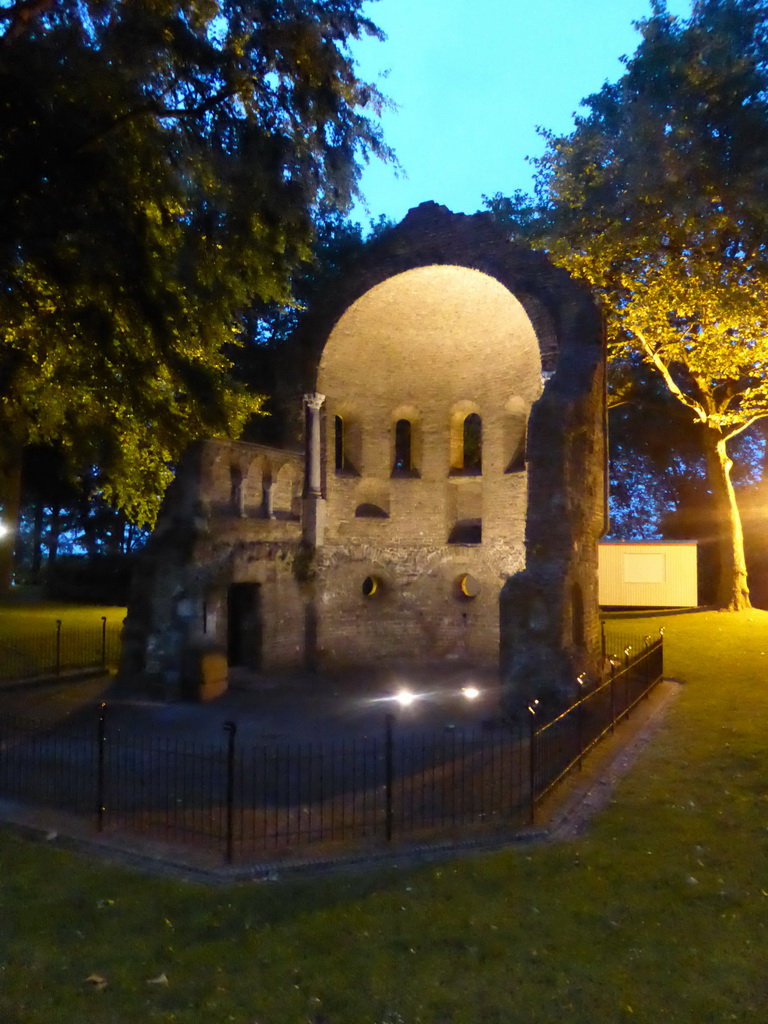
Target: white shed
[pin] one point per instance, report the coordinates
(647, 573)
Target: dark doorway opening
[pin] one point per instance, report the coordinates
(244, 625)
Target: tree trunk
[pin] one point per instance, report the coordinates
(53, 535)
(10, 499)
(732, 587)
(37, 542)
(115, 541)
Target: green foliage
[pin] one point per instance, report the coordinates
(519, 213)
(656, 200)
(268, 358)
(337, 243)
(161, 166)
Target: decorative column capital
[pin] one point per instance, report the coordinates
(314, 400)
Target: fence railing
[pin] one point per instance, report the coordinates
(559, 746)
(58, 649)
(264, 801)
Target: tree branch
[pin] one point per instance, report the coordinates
(20, 17)
(743, 426)
(669, 380)
(223, 93)
(157, 110)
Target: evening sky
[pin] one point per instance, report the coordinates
(473, 78)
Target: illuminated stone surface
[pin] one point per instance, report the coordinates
(433, 455)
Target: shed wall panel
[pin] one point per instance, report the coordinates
(647, 574)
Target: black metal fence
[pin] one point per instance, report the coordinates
(58, 649)
(559, 746)
(265, 801)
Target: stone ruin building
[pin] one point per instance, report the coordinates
(444, 498)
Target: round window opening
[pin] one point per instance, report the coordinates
(468, 586)
(371, 586)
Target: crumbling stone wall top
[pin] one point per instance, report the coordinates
(561, 310)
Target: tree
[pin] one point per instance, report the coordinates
(161, 165)
(267, 358)
(656, 200)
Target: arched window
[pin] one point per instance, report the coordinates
(473, 443)
(236, 492)
(347, 443)
(369, 510)
(403, 462)
(339, 442)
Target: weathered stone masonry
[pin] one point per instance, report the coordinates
(453, 449)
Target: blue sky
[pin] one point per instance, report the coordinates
(473, 78)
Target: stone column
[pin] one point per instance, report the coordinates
(237, 490)
(313, 402)
(314, 503)
(267, 490)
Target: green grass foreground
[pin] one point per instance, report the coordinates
(658, 914)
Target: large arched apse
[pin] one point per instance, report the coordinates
(434, 336)
(439, 356)
(419, 376)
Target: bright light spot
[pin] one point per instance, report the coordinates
(405, 698)
(470, 692)
(3, 529)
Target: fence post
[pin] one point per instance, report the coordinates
(58, 647)
(580, 719)
(613, 697)
(626, 681)
(388, 774)
(532, 762)
(103, 641)
(102, 741)
(602, 639)
(231, 729)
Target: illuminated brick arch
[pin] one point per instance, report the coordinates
(435, 335)
(463, 457)
(449, 342)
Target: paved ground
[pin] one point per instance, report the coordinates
(298, 707)
(265, 709)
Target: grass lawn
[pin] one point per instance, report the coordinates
(660, 913)
(19, 619)
(28, 635)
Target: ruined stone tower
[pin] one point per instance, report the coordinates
(445, 503)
